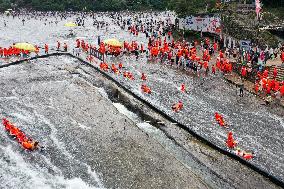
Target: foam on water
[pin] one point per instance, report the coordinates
(34, 177)
(123, 110)
(62, 148)
(102, 92)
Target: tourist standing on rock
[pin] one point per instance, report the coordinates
(99, 40)
(242, 90)
(65, 47)
(58, 45)
(46, 48)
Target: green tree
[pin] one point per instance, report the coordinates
(5, 4)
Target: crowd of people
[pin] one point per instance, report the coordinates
(204, 57)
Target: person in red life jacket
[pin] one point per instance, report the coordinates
(143, 77)
(213, 70)
(256, 87)
(5, 121)
(7, 124)
(21, 137)
(177, 107)
(221, 54)
(104, 66)
(206, 67)
(5, 52)
(239, 152)
(78, 43)
(248, 156)
(14, 131)
(268, 90)
(218, 64)
(282, 90)
(125, 74)
(130, 76)
(120, 66)
(275, 72)
(46, 48)
(231, 143)
(182, 88)
(282, 57)
(58, 45)
(220, 120)
(65, 47)
(243, 154)
(272, 84)
(215, 47)
(114, 69)
(142, 48)
(1, 52)
(90, 58)
(244, 72)
(276, 86)
(265, 73)
(217, 116)
(146, 89)
(82, 44)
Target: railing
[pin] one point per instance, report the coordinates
(97, 54)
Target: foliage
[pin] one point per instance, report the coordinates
(4, 4)
(79, 5)
(188, 7)
(182, 7)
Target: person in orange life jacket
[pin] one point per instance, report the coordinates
(177, 107)
(30, 145)
(36, 50)
(143, 77)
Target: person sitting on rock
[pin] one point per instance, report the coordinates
(177, 107)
